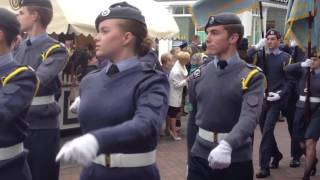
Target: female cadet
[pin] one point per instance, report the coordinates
(17, 87)
(122, 106)
(307, 132)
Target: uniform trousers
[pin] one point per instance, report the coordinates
(15, 168)
(43, 146)
(99, 172)
(199, 169)
(289, 112)
(268, 146)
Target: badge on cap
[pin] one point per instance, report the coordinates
(272, 32)
(105, 12)
(211, 20)
(15, 4)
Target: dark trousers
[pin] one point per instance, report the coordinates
(43, 146)
(98, 172)
(268, 146)
(16, 168)
(289, 112)
(199, 169)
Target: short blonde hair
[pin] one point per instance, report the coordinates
(183, 56)
(166, 58)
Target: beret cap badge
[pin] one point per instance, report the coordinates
(211, 20)
(105, 12)
(15, 4)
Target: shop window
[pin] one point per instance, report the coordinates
(271, 24)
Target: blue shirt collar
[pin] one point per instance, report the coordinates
(5, 59)
(125, 64)
(38, 38)
(233, 59)
(274, 51)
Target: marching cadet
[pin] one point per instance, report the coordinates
(48, 57)
(307, 132)
(227, 97)
(277, 86)
(122, 105)
(18, 85)
(290, 106)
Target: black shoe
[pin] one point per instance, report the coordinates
(275, 162)
(314, 168)
(295, 163)
(263, 173)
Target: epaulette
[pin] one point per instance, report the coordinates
(57, 47)
(249, 74)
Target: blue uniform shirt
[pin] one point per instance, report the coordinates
(124, 64)
(38, 38)
(230, 61)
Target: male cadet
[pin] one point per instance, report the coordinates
(227, 96)
(277, 86)
(17, 87)
(48, 58)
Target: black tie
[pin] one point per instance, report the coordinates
(113, 69)
(222, 64)
(28, 42)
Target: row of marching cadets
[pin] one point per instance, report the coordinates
(285, 69)
(122, 106)
(29, 91)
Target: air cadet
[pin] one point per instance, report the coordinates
(290, 106)
(18, 85)
(307, 132)
(48, 57)
(121, 116)
(227, 97)
(277, 86)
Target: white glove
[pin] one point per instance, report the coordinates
(273, 96)
(75, 105)
(220, 157)
(293, 43)
(182, 83)
(261, 44)
(307, 63)
(82, 150)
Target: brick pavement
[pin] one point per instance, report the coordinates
(171, 159)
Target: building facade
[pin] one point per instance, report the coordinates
(274, 11)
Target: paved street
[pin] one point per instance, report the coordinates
(171, 159)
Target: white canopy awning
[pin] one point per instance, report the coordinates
(78, 16)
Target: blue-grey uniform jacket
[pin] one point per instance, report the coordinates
(43, 116)
(295, 71)
(124, 111)
(275, 62)
(15, 99)
(222, 106)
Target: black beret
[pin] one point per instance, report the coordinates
(223, 19)
(40, 3)
(274, 32)
(183, 44)
(243, 45)
(121, 10)
(9, 22)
